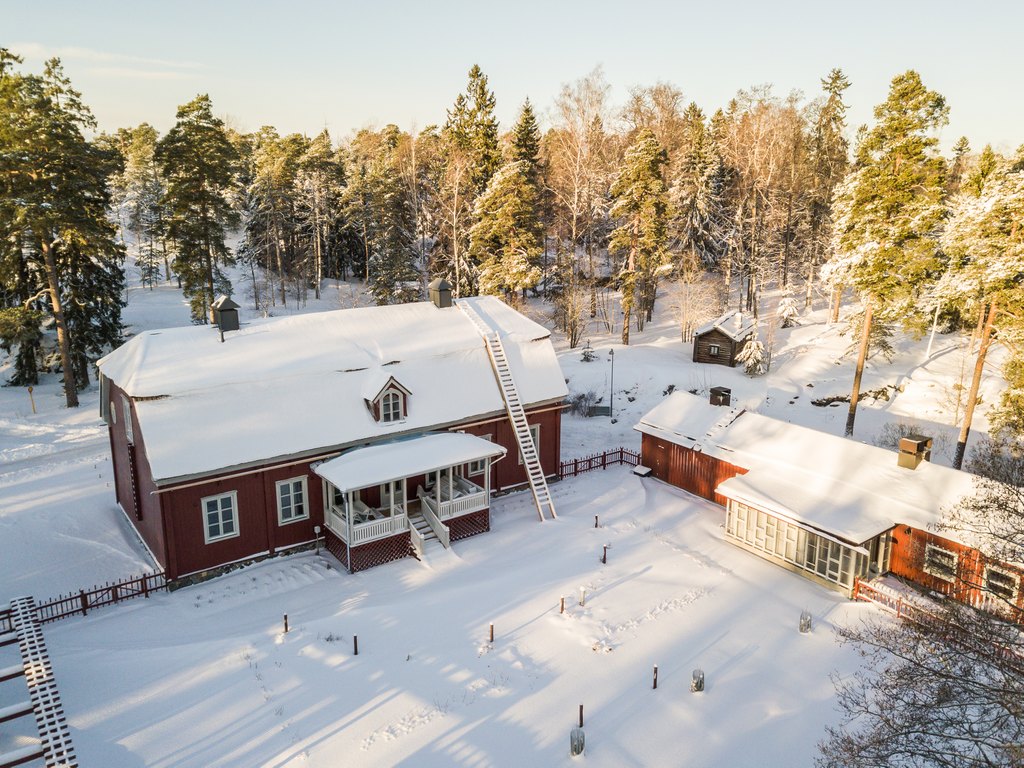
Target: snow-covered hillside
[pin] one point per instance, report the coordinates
(205, 676)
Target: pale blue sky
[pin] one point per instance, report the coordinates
(303, 65)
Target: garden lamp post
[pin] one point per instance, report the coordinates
(611, 386)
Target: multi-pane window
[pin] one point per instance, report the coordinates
(939, 562)
(714, 350)
(480, 465)
(220, 516)
(1001, 583)
(535, 436)
(291, 500)
(391, 406)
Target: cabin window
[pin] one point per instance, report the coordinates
(939, 562)
(220, 516)
(392, 406)
(535, 436)
(714, 350)
(1001, 583)
(291, 500)
(126, 408)
(480, 465)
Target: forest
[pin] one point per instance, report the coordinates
(594, 212)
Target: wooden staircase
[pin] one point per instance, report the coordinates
(516, 414)
(417, 521)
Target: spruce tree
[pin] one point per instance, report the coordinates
(640, 205)
(506, 239)
(319, 183)
(889, 211)
(198, 163)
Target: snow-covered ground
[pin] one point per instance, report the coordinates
(205, 677)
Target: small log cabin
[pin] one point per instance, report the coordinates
(363, 421)
(720, 341)
(831, 509)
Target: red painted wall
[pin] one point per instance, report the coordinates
(908, 558)
(684, 468)
(509, 472)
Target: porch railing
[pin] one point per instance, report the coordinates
(460, 505)
(440, 529)
(368, 531)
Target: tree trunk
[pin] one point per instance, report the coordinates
(63, 341)
(862, 355)
(837, 297)
(972, 395)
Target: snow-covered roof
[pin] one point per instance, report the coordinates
(849, 489)
(377, 464)
(735, 325)
(292, 386)
(685, 419)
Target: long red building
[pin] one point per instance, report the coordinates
(368, 423)
(831, 509)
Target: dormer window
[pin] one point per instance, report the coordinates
(387, 400)
(392, 406)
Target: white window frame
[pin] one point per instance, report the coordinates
(233, 495)
(535, 434)
(290, 482)
(384, 411)
(126, 408)
(479, 466)
(714, 349)
(938, 574)
(1013, 577)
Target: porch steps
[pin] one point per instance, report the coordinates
(516, 414)
(418, 522)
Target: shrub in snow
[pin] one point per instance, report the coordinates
(753, 357)
(582, 403)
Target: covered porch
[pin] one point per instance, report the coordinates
(414, 486)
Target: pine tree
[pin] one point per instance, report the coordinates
(198, 163)
(697, 193)
(640, 205)
(54, 205)
(788, 313)
(958, 166)
(319, 183)
(984, 241)
(140, 201)
(890, 210)
(392, 271)
(506, 239)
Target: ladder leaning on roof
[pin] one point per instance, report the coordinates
(516, 414)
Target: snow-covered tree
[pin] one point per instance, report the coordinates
(788, 312)
(505, 241)
(889, 211)
(753, 356)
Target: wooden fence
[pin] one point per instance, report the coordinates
(906, 609)
(85, 600)
(573, 467)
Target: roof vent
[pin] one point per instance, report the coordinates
(913, 450)
(721, 396)
(225, 313)
(440, 293)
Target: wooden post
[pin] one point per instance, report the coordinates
(604, 555)
(862, 354)
(32, 399)
(113, 593)
(581, 715)
(655, 677)
(491, 640)
(84, 600)
(561, 608)
(286, 623)
(595, 521)
(355, 645)
(145, 586)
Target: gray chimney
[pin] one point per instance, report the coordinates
(721, 396)
(913, 450)
(440, 293)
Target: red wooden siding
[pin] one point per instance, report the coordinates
(685, 468)
(509, 472)
(908, 559)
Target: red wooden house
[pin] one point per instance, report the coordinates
(385, 425)
(829, 508)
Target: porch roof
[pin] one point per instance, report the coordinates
(376, 464)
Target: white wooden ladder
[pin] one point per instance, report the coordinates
(516, 414)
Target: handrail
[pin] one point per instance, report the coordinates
(440, 529)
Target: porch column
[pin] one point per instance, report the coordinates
(391, 498)
(487, 481)
(348, 516)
